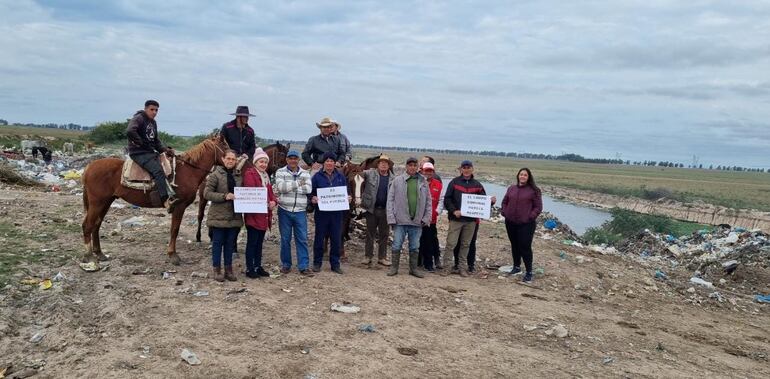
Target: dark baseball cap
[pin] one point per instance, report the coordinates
(411, 160)
(466, 163)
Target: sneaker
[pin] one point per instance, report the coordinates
(455, 270)
(367, 261)
(384, 262)
(261, 272)
(527, 278)
(515, 271)
(307, 273)
(471, 269)
(251, 274)
(338, 270)
(464, 273)
(285, 270)
(316, 268)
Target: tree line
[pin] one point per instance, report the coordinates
(69, 126)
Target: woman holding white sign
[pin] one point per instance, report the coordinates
(521, 205)
(222, 220)
(258, 223)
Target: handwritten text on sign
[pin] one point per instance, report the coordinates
(333, 199)
(250, 199)
(476, 206)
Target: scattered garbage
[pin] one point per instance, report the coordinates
(167, 275)
(190, 357)
(699, 281)
(236, 290)
(366, 328)
(730, 266)
(37, 337)
(407, 351)
(505, 269)
(90, 266)
(201, 293)
(558, 330)
(539, 271)
(550, 224)
(59, 277)
(660, 275)
(145, 352)
(134, 221)
(762, 299)
(345, 308)
(608, 360)
(45, 284)
(196, 274)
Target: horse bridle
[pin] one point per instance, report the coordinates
(213, 160)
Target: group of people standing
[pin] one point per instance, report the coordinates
(408, 204)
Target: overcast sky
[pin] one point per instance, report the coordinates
(651, 79)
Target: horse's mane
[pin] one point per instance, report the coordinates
(196, 152)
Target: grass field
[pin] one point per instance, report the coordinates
(740, 190)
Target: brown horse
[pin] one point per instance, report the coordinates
(351, 172)
(101, 186)
(277, 153)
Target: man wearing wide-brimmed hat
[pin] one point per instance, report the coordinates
(238, 134)
(322, 143)
(374, 200)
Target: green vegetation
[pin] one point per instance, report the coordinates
(113, 132)
(11, 136)
(732, 189)
(626, 223)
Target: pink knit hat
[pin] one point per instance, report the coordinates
(259, 154)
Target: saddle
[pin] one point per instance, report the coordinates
(136, 177)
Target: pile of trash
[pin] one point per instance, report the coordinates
(704, 247)
(64, 171)
(550, 226)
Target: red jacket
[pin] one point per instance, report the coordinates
(521, 205)
(435, 186)
(260, 221)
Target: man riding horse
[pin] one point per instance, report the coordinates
(144, 146)
(239, 135)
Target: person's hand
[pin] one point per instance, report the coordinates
(494, 199)
(457, 214)
(316, 166)
(244, 156)
(314, 200)
(230, 196)
(271, 205)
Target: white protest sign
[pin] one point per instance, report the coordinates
(250, 199)
(476, 206)
(333, 199)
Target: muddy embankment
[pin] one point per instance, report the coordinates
(696, 212)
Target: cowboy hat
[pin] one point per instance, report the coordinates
(384, 157)
(242, 110)
(326, 121)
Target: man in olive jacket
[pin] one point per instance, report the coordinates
(374, 200)
(408, 210)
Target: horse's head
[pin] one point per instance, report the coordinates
(277, 153)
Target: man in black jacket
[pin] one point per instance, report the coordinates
(239, 135)
(144, 146)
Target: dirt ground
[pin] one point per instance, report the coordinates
(128, 321)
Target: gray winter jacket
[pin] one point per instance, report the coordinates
(371, 185)
(221, 213)
(398, 205)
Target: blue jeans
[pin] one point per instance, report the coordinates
(254, 239)
(327, 223)
(223, 239)
(288, 223)
(409, 231)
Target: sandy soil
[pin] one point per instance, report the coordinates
(128, 321)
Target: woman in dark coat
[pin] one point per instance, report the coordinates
(521, 205)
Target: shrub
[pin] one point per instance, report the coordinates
(108, 132)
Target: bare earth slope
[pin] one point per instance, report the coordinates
(128, 321)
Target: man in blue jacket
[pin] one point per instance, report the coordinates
(327, 223)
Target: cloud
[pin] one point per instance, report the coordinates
(594, 78)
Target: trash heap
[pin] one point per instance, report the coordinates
(64, 171)
(703, 248)
(550, 227)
